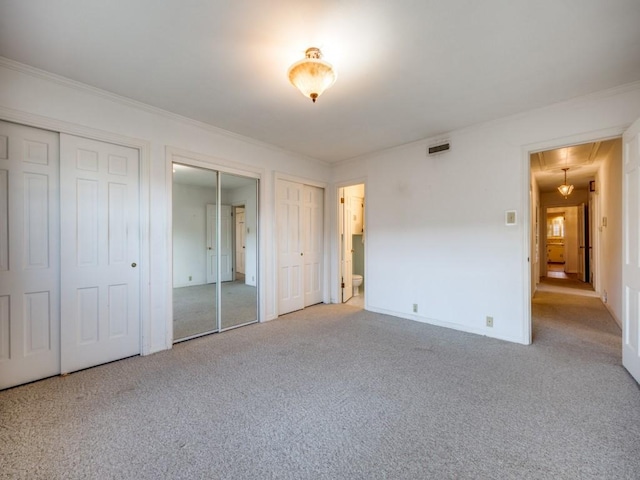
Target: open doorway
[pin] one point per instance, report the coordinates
(576, 221)
(351, 208)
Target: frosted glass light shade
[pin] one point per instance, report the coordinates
(565, 189)
(312, 75)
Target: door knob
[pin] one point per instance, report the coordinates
(134, 264)
(301, 254)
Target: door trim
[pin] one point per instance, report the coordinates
(326, 249)
(336, 290)
(193, 159)
(144, 151)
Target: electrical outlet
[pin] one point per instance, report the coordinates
(604, 297)
(489, 321)
(415, 308)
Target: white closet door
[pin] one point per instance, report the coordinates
(312, 236)
(100, 243)
(631, 250)
(29, 255)
(290, 254)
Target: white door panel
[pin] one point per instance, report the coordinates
(100, 282)
(240, 240)
(29, 255)
(290, 254)
(312, 238)
(226, 273)
(347, 248)
(631, 251)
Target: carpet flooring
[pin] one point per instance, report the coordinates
(335, 392)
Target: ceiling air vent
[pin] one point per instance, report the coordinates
(440, 148)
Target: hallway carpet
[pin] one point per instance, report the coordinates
(334, 392)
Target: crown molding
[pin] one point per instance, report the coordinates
(129, 102)
(423, 142)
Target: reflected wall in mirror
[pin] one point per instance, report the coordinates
(239, 250)
(194, 234)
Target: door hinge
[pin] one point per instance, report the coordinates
(342, 285)
(342, 200)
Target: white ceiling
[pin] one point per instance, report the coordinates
(407, 70)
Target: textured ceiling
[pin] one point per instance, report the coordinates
(582, 161)
(407, 70)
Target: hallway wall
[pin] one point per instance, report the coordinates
(609, 186)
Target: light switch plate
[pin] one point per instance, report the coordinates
(510, 217)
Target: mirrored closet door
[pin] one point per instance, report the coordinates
(215, 251)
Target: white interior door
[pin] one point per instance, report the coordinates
(630, 249)
(240, 240)
(29, 255)
(347, 247)
(226, 272)
(313, 243)
(100, 246)
(290, 253)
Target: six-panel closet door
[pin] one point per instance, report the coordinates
(300, 245)
(100, 250)
(69, 253)
(29, 255)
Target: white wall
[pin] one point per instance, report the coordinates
(36, 98)
(190, 233)
(436, 232)
(609, 187)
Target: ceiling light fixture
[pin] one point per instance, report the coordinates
(312, 75)
(565, 189)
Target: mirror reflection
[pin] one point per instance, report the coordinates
(215, 250)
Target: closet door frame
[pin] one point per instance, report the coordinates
(325, 236)
(144, 155)
(192, 159)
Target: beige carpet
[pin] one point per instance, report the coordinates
(334, 392)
